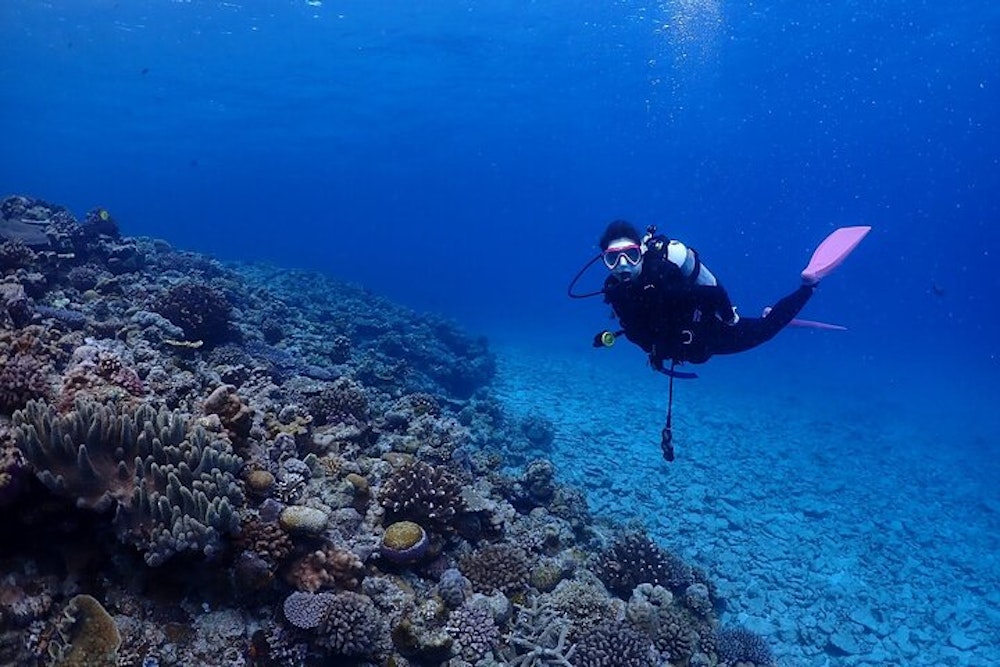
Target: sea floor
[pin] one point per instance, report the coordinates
(848, 521)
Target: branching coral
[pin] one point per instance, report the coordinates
(739, 645)
(351, 625)
(634, 559)
(540, 638)
(201, 311)
(173, 488)
(475, 632)
(424, 494)
(613, 644)
(344, 402)
(497, 567)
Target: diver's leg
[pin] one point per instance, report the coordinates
(750, 332)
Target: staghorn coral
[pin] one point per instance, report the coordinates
(502, 567)
(326, 568)
(539, 638)
(173, 488)
(201, 311)
(424, 494)
(633, 559)
(613, 644)
(739, 645)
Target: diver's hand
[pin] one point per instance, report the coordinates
(656, 362)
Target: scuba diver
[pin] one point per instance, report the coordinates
(674, 308)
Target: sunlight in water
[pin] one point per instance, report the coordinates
(686, 53)
(692, 27)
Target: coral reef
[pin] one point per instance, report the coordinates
(251, 466)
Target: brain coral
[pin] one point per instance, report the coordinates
(173, 488)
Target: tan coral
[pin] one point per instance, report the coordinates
(326, 568)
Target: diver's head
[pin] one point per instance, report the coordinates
(621, 249)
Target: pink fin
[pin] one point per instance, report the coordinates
(832, 251)
(813, 324)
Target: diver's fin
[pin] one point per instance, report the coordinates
(813, 324)
(832, 251)
(810, 324)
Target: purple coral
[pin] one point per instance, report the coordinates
(23, 377)
(635, 559)
(307, 610)
(497, 567)
(740, 645)
(613, 644)
(474, 631)
(351, 625)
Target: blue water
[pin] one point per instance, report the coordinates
(463, 157)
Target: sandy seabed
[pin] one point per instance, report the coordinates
(850, 525)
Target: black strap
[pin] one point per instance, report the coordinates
(693, 278)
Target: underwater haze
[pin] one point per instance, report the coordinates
(463, 158)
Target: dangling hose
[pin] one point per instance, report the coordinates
(667, 434)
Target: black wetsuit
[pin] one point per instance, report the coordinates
(671, 318)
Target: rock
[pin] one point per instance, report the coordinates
(301, 519)
(866, 619)
(842, 644)
(962, 641)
